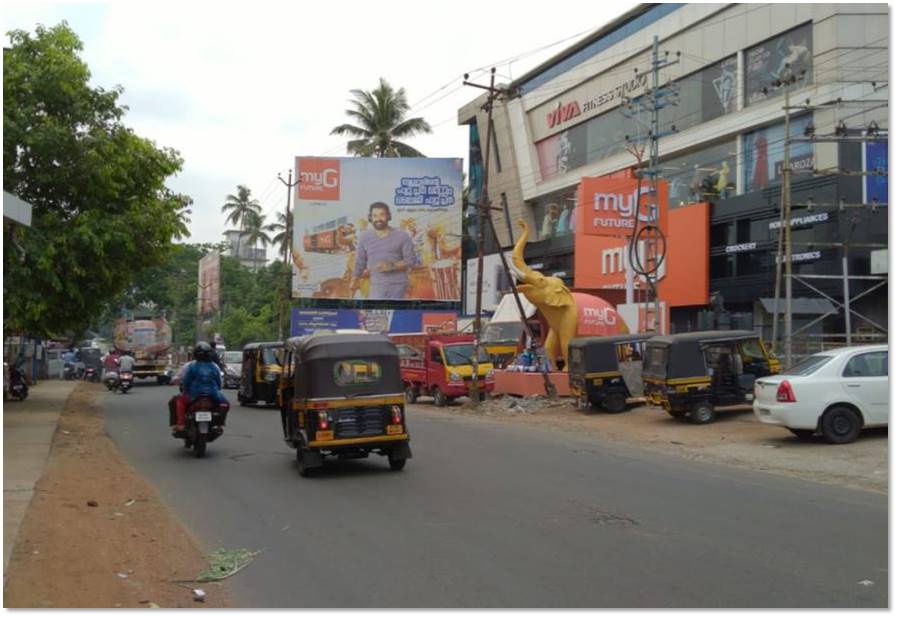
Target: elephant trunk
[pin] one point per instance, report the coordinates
(523, 272)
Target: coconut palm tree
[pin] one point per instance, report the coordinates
(381, 123)
(281, 231)
(237, 207)
(255, 230)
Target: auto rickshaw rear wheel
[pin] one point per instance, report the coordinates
(396, 464)
(304, 470)
(615, 403)
(702, 413)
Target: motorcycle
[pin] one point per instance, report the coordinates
(68, 371)
(205, 423)
(18, 385)
(125, 381)
(111, 380)
(91, 374)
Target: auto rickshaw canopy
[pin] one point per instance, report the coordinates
(682, 355)
(599, 353)
(344, 365)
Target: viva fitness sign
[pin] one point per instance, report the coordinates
(566, 111)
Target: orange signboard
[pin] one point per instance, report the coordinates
(601, 258)
(608, 206)
(319, 179)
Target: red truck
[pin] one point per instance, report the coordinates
(440, 365)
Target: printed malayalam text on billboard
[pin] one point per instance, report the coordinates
(385, 229)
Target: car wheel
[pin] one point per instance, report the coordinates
(439, 397)
(615, 403)
(804, 434)
(702, 413)
(841, 425)
(410, 394)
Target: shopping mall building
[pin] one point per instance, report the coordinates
(721, 154)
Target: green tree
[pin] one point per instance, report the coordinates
(281, 232)
(238, 208)
(101, 210)
(381, 123)
(256, 230)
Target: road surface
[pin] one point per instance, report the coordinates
(493, 515)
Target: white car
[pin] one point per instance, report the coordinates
(836, 393)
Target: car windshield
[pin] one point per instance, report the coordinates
(808, 365)
(233, 357)
(271, 355)
(457, 355)
(502, 332)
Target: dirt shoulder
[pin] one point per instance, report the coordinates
(126, 551)
(735, 439)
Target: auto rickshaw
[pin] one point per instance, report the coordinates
(605, 371)
(693, 373)
(342, 396)
(262, 369)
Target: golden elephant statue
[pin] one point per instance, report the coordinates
(553, 299)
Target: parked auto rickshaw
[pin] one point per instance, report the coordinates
(605, 371)
(342, 396)
(261, 373)
(693, 373)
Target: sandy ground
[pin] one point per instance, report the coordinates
(127, 551)
(737, 438)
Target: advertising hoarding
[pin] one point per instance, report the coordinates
(495, 282)
(399, 321)
(209, 289)
(609, 206)
(377, 229)
(875, 159)
(764, 151)
(765, 64)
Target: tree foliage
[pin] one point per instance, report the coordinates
(381, 123)
(239, 208)
(101, 210)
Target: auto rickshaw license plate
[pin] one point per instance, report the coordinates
(323, 435)
(394, 429)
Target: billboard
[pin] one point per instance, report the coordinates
(495, 282)
(609, 206)
(377, 229)
(209, 288)
(307, 321)
(764, 153)
(875, 159)
(602, 261)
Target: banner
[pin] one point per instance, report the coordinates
(209, 289)
(765, 64)
(387, 321)
(875, 159)
(609, 206)
(377, 228)
(495, 282)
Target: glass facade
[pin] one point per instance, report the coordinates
(764, 150)
(705, 175)
(765, 63)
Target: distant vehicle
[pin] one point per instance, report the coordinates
(443, 369)
(836, 393)
(148, 340)
(261, 371)
(606, 371)
(233, 368)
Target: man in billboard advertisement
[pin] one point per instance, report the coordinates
(377, 229)
(387, 253)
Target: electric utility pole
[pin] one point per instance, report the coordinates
(654, 242)
(482, 209)
(288, 245)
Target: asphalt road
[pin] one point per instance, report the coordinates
(492, 515)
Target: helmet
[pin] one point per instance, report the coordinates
(202, 352)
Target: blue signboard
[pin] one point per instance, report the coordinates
(875, 159)
(399, 321)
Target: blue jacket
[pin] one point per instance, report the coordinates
(202, 379)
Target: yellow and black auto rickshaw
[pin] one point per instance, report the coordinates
(262, 367)
(693, 373)
(342, 396)
(605, 371)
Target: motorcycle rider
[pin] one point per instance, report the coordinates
(126, 363)
(202, 378)
(216, 357)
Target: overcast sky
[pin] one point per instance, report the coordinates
(241, 89)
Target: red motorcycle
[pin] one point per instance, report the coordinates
(205, 423)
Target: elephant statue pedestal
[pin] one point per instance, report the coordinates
(529, 384)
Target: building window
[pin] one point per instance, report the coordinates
(722, 266)
(764, 150)
(765, 63)
(705, 175)
(554, 214)
(703, 96)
